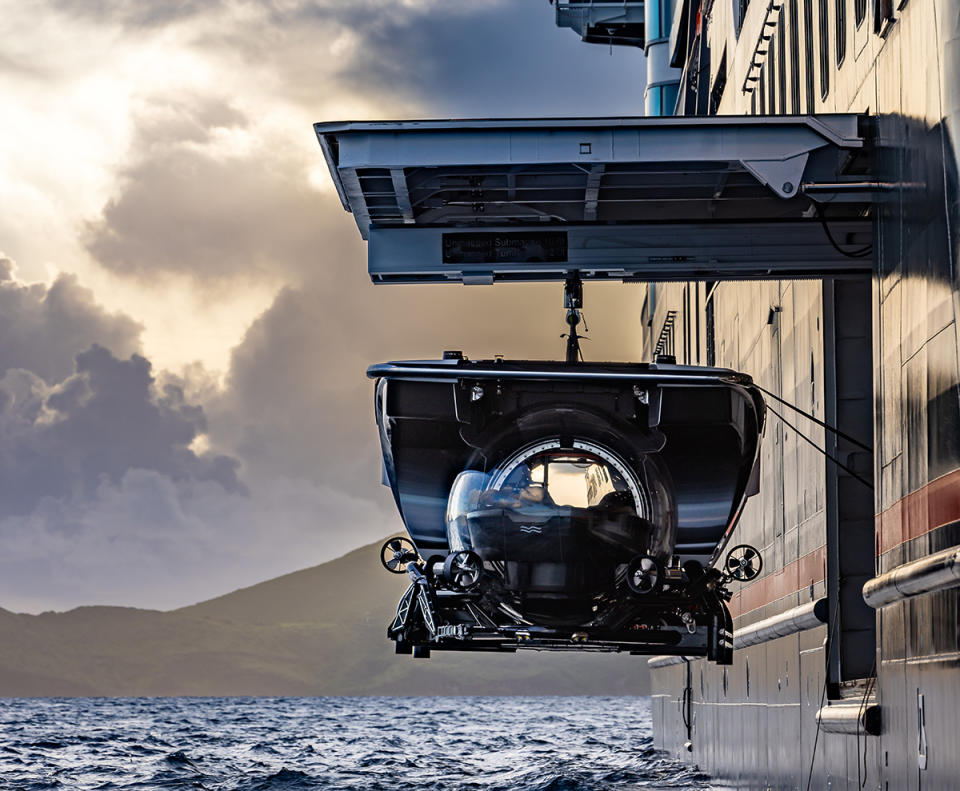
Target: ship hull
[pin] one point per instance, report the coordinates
(879, 358)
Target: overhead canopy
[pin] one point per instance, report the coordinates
(619, 198)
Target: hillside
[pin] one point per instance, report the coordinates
(319, 631)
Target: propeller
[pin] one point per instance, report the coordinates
(463, 569)
(644, 575)
(744, 563)
(396, 553)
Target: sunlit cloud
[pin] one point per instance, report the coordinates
(166, 204)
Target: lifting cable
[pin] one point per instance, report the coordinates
(862, 775)
(839, 463)
(816, 420)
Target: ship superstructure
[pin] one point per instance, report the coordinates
(790, 203)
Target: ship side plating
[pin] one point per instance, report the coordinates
(876, 356)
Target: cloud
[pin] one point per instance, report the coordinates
(42, 328)
(191, 188)
(105, 496)
(217, 182)
(187, 207)
(498, 59)
(136, 13)
(63, 442)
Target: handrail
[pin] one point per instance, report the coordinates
(936, 572)
(853, 717)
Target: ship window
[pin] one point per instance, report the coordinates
(860, 11)
(795, 57)
(782, 62)
(658, 18)
(824, 48)
(808, 50)
(653, 20)
(841, 31)
(654, 105)
(662, 99)
(669, 99)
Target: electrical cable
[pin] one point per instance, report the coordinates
(816, 420)
(839, 463)
(823, 694)
(863, 252)
(862, 778)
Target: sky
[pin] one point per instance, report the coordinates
(185, 316)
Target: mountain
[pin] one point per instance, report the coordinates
(319, 631)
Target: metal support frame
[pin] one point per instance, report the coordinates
(831, 504)
(671, 251)
(669, 198)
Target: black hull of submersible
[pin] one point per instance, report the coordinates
(699, 427)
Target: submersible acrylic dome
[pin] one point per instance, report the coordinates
(557, 524)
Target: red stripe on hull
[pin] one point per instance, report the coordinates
(930, 507)
(801, 573)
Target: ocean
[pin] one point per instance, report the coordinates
(360, 743)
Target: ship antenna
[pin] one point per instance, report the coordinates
(573, 302)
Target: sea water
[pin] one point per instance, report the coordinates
(362, 743)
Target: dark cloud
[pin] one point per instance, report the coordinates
(149, 541)
(488, 60)
(43, 328)
(444, 59)
(102, 498)
(106, 419)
